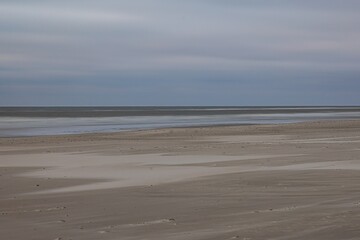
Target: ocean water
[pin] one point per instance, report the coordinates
(33, 121)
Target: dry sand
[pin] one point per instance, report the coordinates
(294, 181)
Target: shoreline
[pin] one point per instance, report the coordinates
(64, 121)
(324, 122)
(302, 177)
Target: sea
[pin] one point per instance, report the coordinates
(35, 121)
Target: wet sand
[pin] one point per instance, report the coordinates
(293, 181)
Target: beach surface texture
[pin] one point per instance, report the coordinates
(281, 181)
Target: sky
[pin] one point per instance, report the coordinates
(179, 52)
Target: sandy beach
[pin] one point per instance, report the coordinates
(290, 181)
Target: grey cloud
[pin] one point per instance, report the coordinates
(205, 43)
(39, 12)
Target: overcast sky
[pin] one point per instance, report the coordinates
(179, 52)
